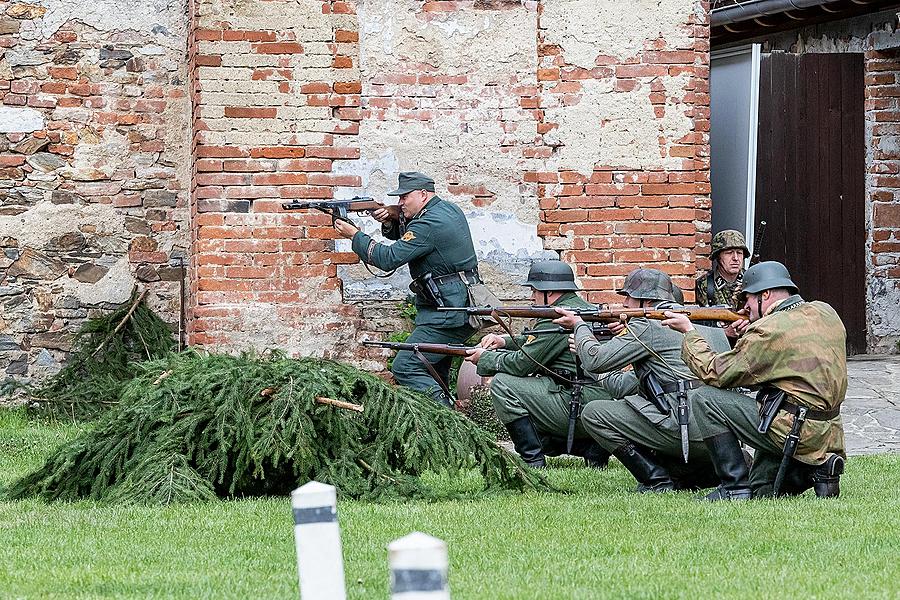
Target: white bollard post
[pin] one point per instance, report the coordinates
(320, 564)
(418, 565)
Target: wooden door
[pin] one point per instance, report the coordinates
(810, 178)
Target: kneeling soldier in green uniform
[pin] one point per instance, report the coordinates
(651, 432)
(530, 387)
(435, 241)
(795, 351)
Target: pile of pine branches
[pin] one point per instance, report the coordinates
(106, 353)
(192, 426)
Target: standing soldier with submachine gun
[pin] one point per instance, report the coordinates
(651, 432)
(433, 238)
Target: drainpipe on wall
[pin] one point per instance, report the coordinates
(759, 8)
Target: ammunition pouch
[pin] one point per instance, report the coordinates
(652, 390)
(479, 295)
(770, 400)
(426, 289)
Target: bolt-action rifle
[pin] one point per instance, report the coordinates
(757, 242)
(338, 209)
(601, 331)
(448, 349)
(605, 315)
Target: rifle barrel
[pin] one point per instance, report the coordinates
(447, 349)
(694, 313)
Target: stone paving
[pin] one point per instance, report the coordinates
(871, 409)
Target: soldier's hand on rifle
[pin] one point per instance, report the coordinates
(569, 320)
(492, 341)
(474, 355)
(617, 327)
(678, 321)
(345, 229)
(572, 348)
(388, 213)
(737, 329)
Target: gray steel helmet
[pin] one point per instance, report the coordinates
(728, 239)
(766, 276)
(551, 276)
(649, 284)
(679, 294)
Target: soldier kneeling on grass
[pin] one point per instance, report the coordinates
(530, 388)
(644, 431)
(795, 352)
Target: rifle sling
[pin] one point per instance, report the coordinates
(434, 374)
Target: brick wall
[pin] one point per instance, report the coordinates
(883, 120)
(573, 128)
(93, 169)
(554, 131)
(624, 143)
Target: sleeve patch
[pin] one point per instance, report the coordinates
(529, 339)
(408, 236)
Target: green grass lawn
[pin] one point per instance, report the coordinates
(600, 541)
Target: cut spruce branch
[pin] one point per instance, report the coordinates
(106, 353)
(234, 426)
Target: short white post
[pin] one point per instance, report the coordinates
(318, 537)
(418, 565)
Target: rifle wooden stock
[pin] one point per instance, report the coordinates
(448, 349)
(592, 315)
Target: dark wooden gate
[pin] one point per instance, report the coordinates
(810, 184)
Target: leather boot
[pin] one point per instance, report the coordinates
(527, 442)
(827, 477)
(593, 454)
(651, 477)
(731, 467)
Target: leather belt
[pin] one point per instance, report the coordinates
(464, 276)
(812, 415)
(689, 384)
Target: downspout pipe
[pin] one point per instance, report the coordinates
(744, 11)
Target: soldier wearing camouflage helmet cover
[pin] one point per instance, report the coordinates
(533, 405)
(643, 432)
(722, 284)
(790, 346)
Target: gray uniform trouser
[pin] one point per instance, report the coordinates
(720, 411)
(541, 399)
(613, 424)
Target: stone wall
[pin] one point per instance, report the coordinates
(94, 167)
(573, 128)
(876, 36)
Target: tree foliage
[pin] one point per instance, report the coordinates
(191, 426)
(103, 359)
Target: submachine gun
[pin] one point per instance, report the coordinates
(338, 209)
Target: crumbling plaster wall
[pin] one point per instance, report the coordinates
(93, 167)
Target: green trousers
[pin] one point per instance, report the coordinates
(720, 411)
(542, 399)
(410, 372)
(614, 423)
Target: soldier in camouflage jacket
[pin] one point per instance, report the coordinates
(721, 285)
(791, 345)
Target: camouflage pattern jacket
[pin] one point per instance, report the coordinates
(799, 347)
(725, 292)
